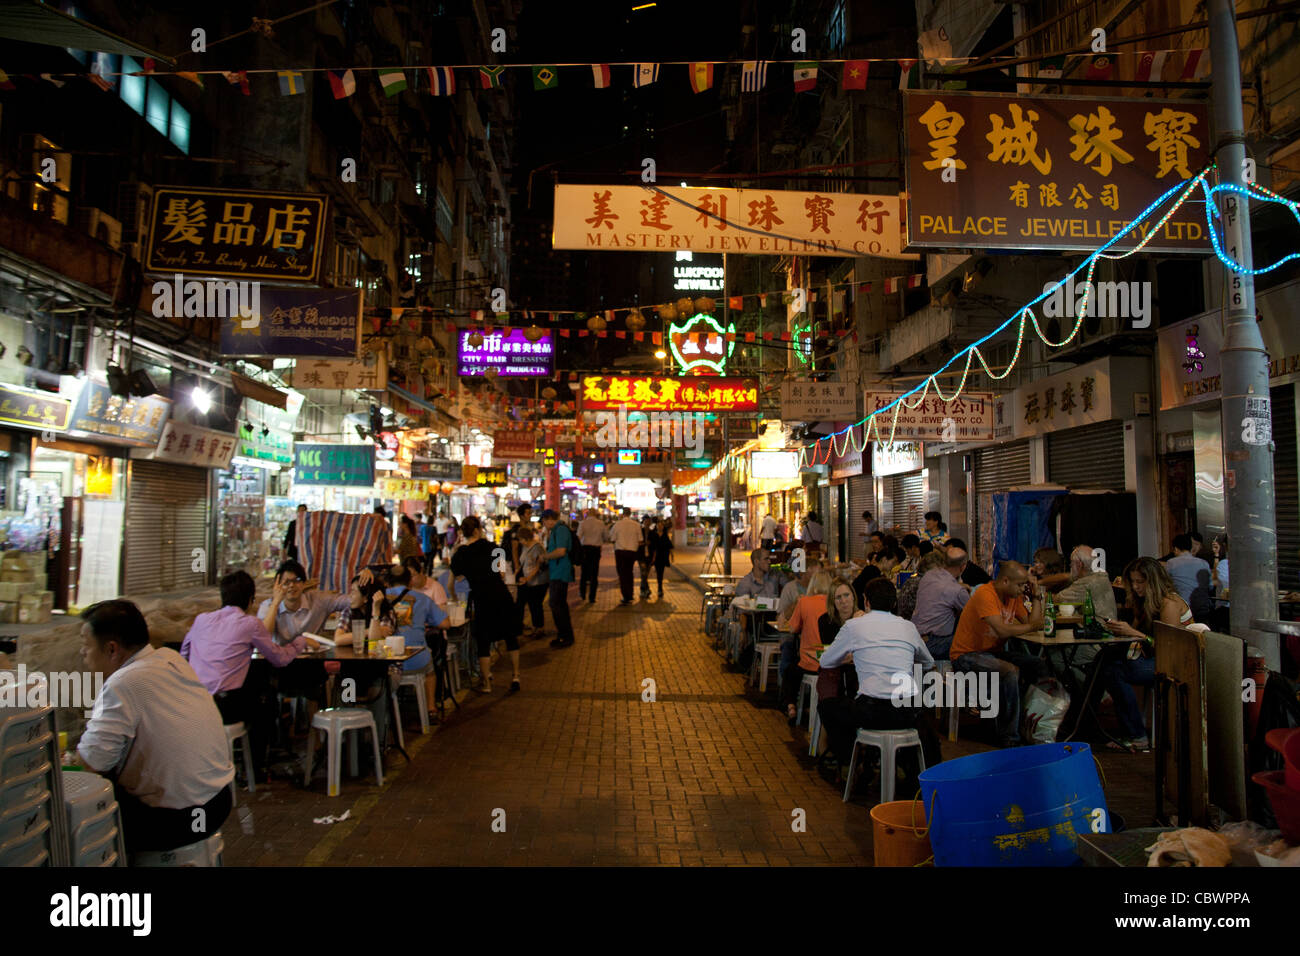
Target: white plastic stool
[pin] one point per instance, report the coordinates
(764, 652)
(94, 821)
(238, 732)
(337, 721)
(204, 853)
(416, 679)
(453, 667)
(814, 729)
(888, 742)
(808, 689)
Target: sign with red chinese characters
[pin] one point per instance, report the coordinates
(968, 417)
(708, 219)
(1000, 171)
(514, 446)
(658, 393)
(192, 445)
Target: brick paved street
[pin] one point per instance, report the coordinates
(585, 771)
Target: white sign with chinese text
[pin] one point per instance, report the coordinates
(192, 445)
(818, 402)
(968, 417)
(1095, 392)
(898, 458)
(341, 373)
(707, 219)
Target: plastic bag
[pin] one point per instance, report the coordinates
(1045, 708)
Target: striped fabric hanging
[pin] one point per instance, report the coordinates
(335, 547)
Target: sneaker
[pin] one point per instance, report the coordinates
(514, 687)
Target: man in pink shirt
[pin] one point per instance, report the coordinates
(220, 645)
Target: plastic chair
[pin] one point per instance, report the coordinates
(238, 732)
(888, 742)
(814, 729)
(808, 689)
(94, 821)
(415, 679)
(204, 853)
(335, 722)
(766, 655)
(950, 691)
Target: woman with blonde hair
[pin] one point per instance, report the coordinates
(803, 622)
(1151, 596)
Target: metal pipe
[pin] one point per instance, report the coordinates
(1246, 410)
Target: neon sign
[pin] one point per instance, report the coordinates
(702, 349)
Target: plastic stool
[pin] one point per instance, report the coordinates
(888, 742)
(337, 721)
(238, 732)
(764, 652)
(950, 692)
(453, 667)
(204, 853)
(814, 729)
(416, 679)
(808, 687)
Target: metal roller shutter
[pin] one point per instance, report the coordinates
(1286, 488)
(905, 505)
(167, 517)
(997, 468)
(860, 499)
(1087, 457)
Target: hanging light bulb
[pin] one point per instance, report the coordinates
(201, 399)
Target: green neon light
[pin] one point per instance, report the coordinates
(696, 363)
(803, 347)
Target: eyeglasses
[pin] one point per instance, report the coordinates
(288, 583)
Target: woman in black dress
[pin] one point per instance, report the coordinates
(659, 542)
(493, 608)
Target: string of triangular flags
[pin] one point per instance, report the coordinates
(442, 80)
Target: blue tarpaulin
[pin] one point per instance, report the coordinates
(1022, 522)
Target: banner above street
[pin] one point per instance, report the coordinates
(705, 219)
(998, 171)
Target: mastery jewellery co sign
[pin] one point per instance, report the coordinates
(999, 171)
(348, 465)
(231, 232)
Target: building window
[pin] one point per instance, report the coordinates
(132, 86)
(835, 29)
(179, 132)
(158, 109)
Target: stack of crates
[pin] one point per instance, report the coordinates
(94, 823)
(33, 826)
(23, 582)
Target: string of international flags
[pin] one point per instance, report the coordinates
(442, 80)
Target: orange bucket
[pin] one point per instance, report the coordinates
(897, 842)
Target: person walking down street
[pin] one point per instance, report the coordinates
(767, 532)
(428, 537)
(533, 580)
(408, 539)
(592, 534)
(643, 557)
(559, 542)
(659, 541)
(494, 611)
(626, 535)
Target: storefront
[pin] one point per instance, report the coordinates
(900, 480)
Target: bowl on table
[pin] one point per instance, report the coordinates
(1065, 610)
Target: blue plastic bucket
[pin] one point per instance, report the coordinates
(1023, 806)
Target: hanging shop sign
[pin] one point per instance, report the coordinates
(1189, 350)
(123, 420)
(436, 469)
(185, 444)
(898, 458)
(348, 465)
(21, 406)
(266, 432)
(701, 344)
(562, 431)
(1054, 172)
(403, 489)
(510, 446)
(574, 484)
(848, 464)
(513, 355)
(231, 232)
(369, 374)
(1095, 392)
(525, 470)
(705, 219)
(774, 464)
(818, 402)
(480, 477)
(968, 417)
(298, 323)
(660, 393)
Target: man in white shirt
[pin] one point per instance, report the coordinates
(627, 537)
(884, 649)
(591, 535)
(767, 532)
(155, 732)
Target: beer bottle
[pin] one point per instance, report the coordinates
(1089, 612)
(1049, 615)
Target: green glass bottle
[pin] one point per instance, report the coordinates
(1049, 615)
(1089, 612)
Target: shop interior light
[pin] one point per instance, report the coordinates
(661, 354)
(201, 399)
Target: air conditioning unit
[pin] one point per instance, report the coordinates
(101, 225)
(134, 206)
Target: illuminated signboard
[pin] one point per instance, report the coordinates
(490, 477)
(661, 393)
(701, 343)
(774, 464)
(566, 469)
(513, 355)
(573, 484)
(629, 456)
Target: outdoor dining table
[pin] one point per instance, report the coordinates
(757, 616)
(1069, 646)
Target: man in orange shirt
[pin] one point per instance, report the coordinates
(995, 612)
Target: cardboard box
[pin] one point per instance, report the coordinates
(9, 612)
(12, 591)
(43, 599)
(23, 576)
(36, 560)
(13, 561)
(33, 614)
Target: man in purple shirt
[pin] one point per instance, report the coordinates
(940, 598)
(220, 645)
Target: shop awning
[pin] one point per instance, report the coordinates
(34, 22)
(251, 388)
(408, 397)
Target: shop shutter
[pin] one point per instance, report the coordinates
(997, 468)
(905, 503)
(1087, 457)
(1286, 488)
(167, 517)
(860, 499)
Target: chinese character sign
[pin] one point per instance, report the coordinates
(122, 420)
(369, 374)
(19, 406)
(191, 445)
(517, 446)
(1099, 391)
(302, 323)
(1050, 172)
(708, 219)
(511, 355)
(229, 232)
(818, 402)
(347, 465)
(968, 417)
(704, 393)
